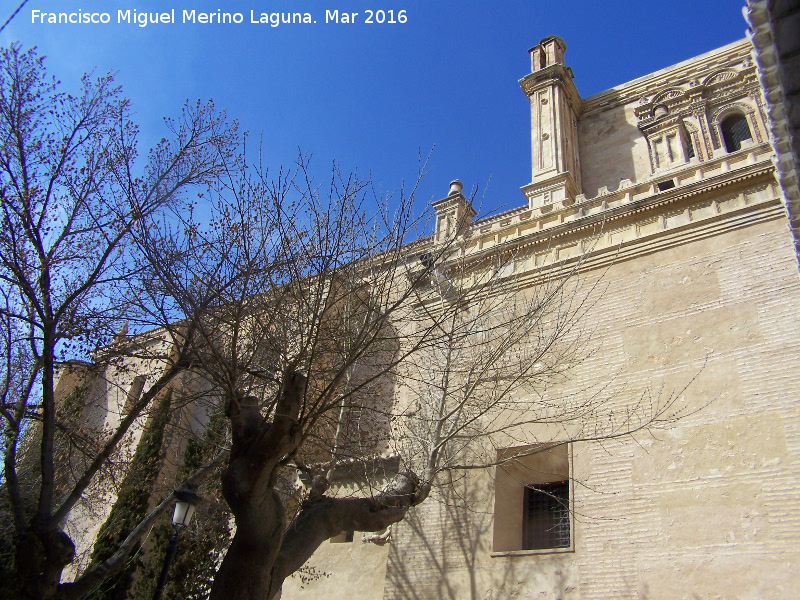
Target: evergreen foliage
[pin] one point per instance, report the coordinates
(132, 502)
(201, 545)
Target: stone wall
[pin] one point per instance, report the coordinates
(697, 304)
(703, 508)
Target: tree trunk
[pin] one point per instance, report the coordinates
(264, 551)
(41, 558)
(262, 556)
(246, 571)
(248, 487)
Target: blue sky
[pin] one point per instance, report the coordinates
(372, 95)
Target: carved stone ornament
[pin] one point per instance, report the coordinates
(720, 77)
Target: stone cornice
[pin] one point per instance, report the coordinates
(600, 250)
(554, 74)
(518, 230)
(647, 229)
(683, 175)
(679, 75)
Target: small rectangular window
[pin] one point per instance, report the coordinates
(532, 503)
(665, 185)
(546, 522)
(343, 538)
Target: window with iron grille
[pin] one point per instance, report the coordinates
(532, 500)
(546, 516)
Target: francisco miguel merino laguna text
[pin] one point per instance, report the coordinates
(143, 19)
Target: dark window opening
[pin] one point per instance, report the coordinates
(426, 259)
(689, 148)
(735, 131)
(665, 185)
(546, 522)
(343, 538)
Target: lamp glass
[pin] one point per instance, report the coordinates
(183, 512)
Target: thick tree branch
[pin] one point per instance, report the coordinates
(322, 517)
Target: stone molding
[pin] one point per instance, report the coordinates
(767, 56)
(549, 76)
(708, 198)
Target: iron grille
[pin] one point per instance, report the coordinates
(546, 523)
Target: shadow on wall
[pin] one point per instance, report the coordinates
(434, 551)
(607, 148)
(443, 551)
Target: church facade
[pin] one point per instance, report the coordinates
(665, 190)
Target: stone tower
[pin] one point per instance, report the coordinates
(555, 106)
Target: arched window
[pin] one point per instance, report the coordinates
(735, 131)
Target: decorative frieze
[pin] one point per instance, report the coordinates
(633, 205)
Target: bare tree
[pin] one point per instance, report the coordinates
(305, 332)
(337, 344)
(302, 307)
(71, 202)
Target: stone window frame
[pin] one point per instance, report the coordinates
(519, 468)
(705, 105)
(686, 135)
(721, 113)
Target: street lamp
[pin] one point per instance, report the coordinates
(185, 503)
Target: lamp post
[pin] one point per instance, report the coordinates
(185, 503)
